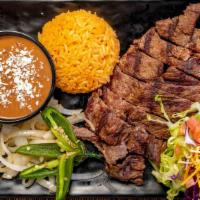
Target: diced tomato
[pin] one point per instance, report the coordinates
(182, 129)
(194, 128)
(177, 150)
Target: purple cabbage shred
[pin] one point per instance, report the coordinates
(173, 177)
(192, 193)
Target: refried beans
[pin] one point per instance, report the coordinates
(25, 77)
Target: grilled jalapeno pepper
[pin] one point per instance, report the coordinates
(48, 165)
(65, 170)
(47, 150)
(40, 174)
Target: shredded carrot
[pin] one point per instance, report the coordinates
(186, 172)
(191, 175)
(195, 162)
(84, 48)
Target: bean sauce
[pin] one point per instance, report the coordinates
(25, 77)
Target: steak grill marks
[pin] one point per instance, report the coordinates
(117, 113)
(162, 50)
(139, 65)
(181, 30)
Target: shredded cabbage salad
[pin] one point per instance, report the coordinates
(179, 167)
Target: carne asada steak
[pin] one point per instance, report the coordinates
(135, 92)
(179, 77)
(180, 29)
(154, 148)
(130, 169)
(137, 64)
(191, 67)
(164, 61)
(162, 50)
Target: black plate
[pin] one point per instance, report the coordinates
(130, 20)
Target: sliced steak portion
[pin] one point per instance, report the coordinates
(122, 108)
(158, 130)
(194, 43)
(135, 137)
(135, 92)
(111, 153)
(127, 87)
(139, 134)
(94, 111)
(180, 29)
(176, 75)
(85, 134)
(191, 67)
(162, 50)
(137, 64)
(190, 92)
(135, 115)
(187, 21)
(135, 142)
(131, 169)
(105, 123)
(111, 128)
(171, 104)
(154, 148)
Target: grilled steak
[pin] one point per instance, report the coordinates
(194, 43)
(189, 92)
(179, 77)
(162, 50)
(137, 64)
(111, 153)
(127, 87)
(154, 148)
(133, 114)
(85, 134)
(111, 128)
(180, 29)
(125, 110)
(131, 169)
(94, 111)
(164, 61)
(135, 92)
(191, 67)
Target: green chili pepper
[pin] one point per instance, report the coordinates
(68, 174)
(40, 174)
(48, 165)
(69, 151)
(62, 129)
(63, 140)
(54, 119)
(45, 150)
(63, 179)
